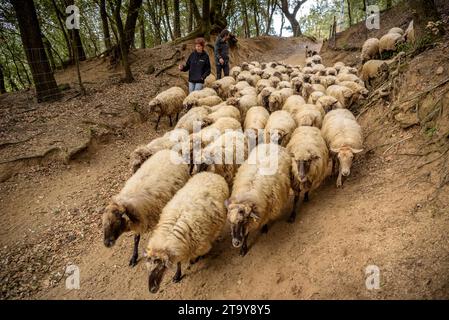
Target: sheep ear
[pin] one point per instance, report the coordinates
(355, 151)
(254, 215)
(334, 150)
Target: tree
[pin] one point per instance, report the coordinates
(131, 21)
(291, 16)
(105, 25)
(30, 32)
(76, 38)
(349, 12)
(177, 19)
(423, 12)
(2, 81)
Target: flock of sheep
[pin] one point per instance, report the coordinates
(373, 49)
(263, 113)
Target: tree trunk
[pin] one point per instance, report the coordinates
(245, 20)
(177, 19)
(152, 11)
(167, 19)
(389, 4)
(131, 21)
(270, 15)
(49, 52)
(76, 38)
(105, 25)
(123, 44)
(60, 16)
(2, 81)
(423, 12)
(282, 25)
(291, 16)
(349, 12)
(205, 23)
(190, 17)
(142, 30)
(78, 71)
(30, 32)
(256, 22)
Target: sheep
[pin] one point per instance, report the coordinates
(348, 70)
(308, 88)
(233, 89)
(285, 77)
(264, 96)
(256, 71)
(389, 42)
(168, 103)
(310, 163)
(210, 101)
(327, 81)
(370, 49)
(208, 134)
(263, 83)
(297, 83)
(223, 112)
(188, 226)
(244, 75)
(343, 94)
(255, 122)
(410, 33)
(274, 81)
(223, 156)
(396, 30)
(166, 142)
(343, 135)
(138, 205)
(349, 77)
(338, 65)
(330, 71)
(280, 126)
(210, 79)
(277, 99)
(194, 115)
(192, 99)
(255, 63)
(314, 96)
(316, 59)
(260, 191)
(222, 86)
(293, 102)
(235, 71)
(319, 68)
(243, 103)
(249, 91)
(308, 115)
(307, 70)
(359, 91)
(328, 103)
(370, 70)
(284, 84)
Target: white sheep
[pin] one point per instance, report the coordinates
(279, 128)
(168, 103)
(138, 205)
(396, 30)
(264, 96)
(343, 94)
(192, 99)
(255, 122)
(196, 115)
(235, 71)
(222, 86)
(260, 192)
(314, 96)
(243, 103)
(249, 91)
(360, 92)
(235, 88)
(310, 162)
(210, 79)
(223, 156)
(210, 101)
(188, 226)
(343, 135)
(389, 42)
(328, 103)
(223, 112)
(284, 84)
(292, 103)
(277, 99)
(263, 83)
(308, 89)
(308, 115)
(370, 49)
(166, 142)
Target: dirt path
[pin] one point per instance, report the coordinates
(51, 218)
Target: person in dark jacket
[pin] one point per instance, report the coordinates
(198, 65)
(221, 52)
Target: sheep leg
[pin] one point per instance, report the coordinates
(264, 228)
(339, 182)
(171, 122)
(178, 275)
(244, 247)
(157, 122)
(306, 196)
(135, 255)
(292, 217)
(177, 117)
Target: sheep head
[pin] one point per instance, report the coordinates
(274, 102)
(345, 156)
(303, 167)
(241, 213)
(115, 222)
(154, 105)
(157, 263)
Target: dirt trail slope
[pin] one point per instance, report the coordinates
(388, 214)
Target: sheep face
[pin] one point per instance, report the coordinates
(274, 102)
(156, 269)
(345, 156)
(240, 215)
(115, 222)
(303, 167)
(154, 106)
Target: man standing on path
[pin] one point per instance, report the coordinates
(221, 52)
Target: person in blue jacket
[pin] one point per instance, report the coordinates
(198, 65)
